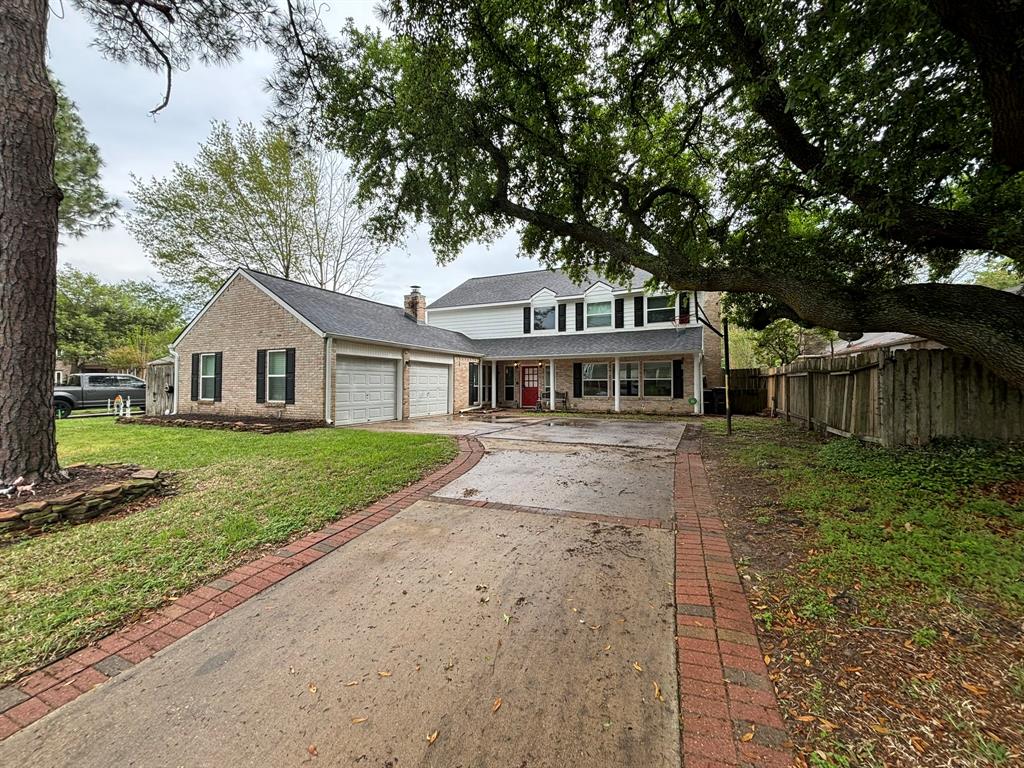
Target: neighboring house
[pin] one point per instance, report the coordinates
(893, 340)
(265, 345)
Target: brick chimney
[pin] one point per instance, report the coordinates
(416, 305)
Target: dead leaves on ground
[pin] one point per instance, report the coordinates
(496, 706)
(432, 737)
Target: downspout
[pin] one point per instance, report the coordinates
(174, 382)
(328, 349)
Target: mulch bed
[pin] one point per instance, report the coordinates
(846, 686)
(81, 477)
(232, 423)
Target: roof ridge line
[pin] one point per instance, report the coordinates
(318, 288)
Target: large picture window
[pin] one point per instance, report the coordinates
(595, 379)
(544, 318)
(276, 374)
(208, 376)
(629, 379)
(661, 309)
(599, 314)
(658, 379)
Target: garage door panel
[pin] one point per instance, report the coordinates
(365, 390)
(428, 389)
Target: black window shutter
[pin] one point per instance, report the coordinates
(195, 376)
(261, 375)
(218, 374)
(620, 313)
(677, 379)
(579, 315)
(289, 376)
(577, 379)
(683, 309)
(638, 311)
(561, 317)
(527, 325)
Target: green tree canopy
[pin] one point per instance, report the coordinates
(94, 317)
(76, 170)
(254, 198)
(812, 156)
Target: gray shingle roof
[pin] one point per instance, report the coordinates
(520, 286)
(339, 315)
(666, 340)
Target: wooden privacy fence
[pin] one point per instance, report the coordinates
(906, 397)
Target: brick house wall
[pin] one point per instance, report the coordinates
(639, 404)
(242, 320)
(712, 342)
(460, 383)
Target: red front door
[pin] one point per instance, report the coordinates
(531, 386)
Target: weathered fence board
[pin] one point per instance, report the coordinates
(907, 397)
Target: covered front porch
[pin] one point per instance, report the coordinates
(640, 383)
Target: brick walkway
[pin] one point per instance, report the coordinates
(51, 687)
(728, 710)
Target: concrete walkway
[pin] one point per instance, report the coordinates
(566, 598)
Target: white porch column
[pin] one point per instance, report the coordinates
(616, 385)
(551, 380)
(698, 382)
(494, 384)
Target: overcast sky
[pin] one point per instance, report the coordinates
(114, 101)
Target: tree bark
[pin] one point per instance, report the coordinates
(29, 199)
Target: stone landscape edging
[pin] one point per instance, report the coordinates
(729, 714)
(260, 426)
(81, 506)
(48, 688)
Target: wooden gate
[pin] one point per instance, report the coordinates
(160, 386)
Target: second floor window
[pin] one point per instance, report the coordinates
(599, 314)
(661, 309)
(544, 318)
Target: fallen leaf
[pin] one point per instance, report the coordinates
(595, 627)
(977, 690)
(657, 691)
(608, 647)
(384, 674)
(880, 729)
(312, 687)
(768, 660)
(747, 736)
(497, 704)
(806, 718)
(358, 720)
(918, 744)
(637, 667)
(506, 618)
(432, 737)
(828, 725)
(351, 683)
(312, 750)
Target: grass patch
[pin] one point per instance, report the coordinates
(238, 492)
(885, 520)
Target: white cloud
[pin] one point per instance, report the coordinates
(115, 99)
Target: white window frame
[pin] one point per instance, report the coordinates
(644, 379)
(624, 378)
(282, 376)
(607, 389)
(544, 308)
(211, 376)
(672, 308)
(607, 314)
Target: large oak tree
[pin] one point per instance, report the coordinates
(825, 162)
(164, 35)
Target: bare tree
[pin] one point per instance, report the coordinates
(340, 253)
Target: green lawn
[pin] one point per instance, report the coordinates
(237, 493)
(906, 524)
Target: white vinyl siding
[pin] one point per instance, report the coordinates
(480, 322)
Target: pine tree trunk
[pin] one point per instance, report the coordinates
(29, 198)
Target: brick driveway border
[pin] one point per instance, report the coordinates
(729, 715)
(46, 689)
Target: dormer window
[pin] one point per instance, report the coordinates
(599, 314)
(661, 309)
(544, 318)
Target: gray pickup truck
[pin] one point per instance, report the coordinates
(95, 390)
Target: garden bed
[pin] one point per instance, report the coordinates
(264, 426)
(87, 493)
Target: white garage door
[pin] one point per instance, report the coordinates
(365, 390)
(428, 389)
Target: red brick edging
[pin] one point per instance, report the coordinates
(46, 689)
(728, 711)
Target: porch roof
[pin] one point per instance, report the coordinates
(618, 343)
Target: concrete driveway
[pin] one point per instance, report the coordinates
(424, 623)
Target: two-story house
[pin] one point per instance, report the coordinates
(268, 346)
